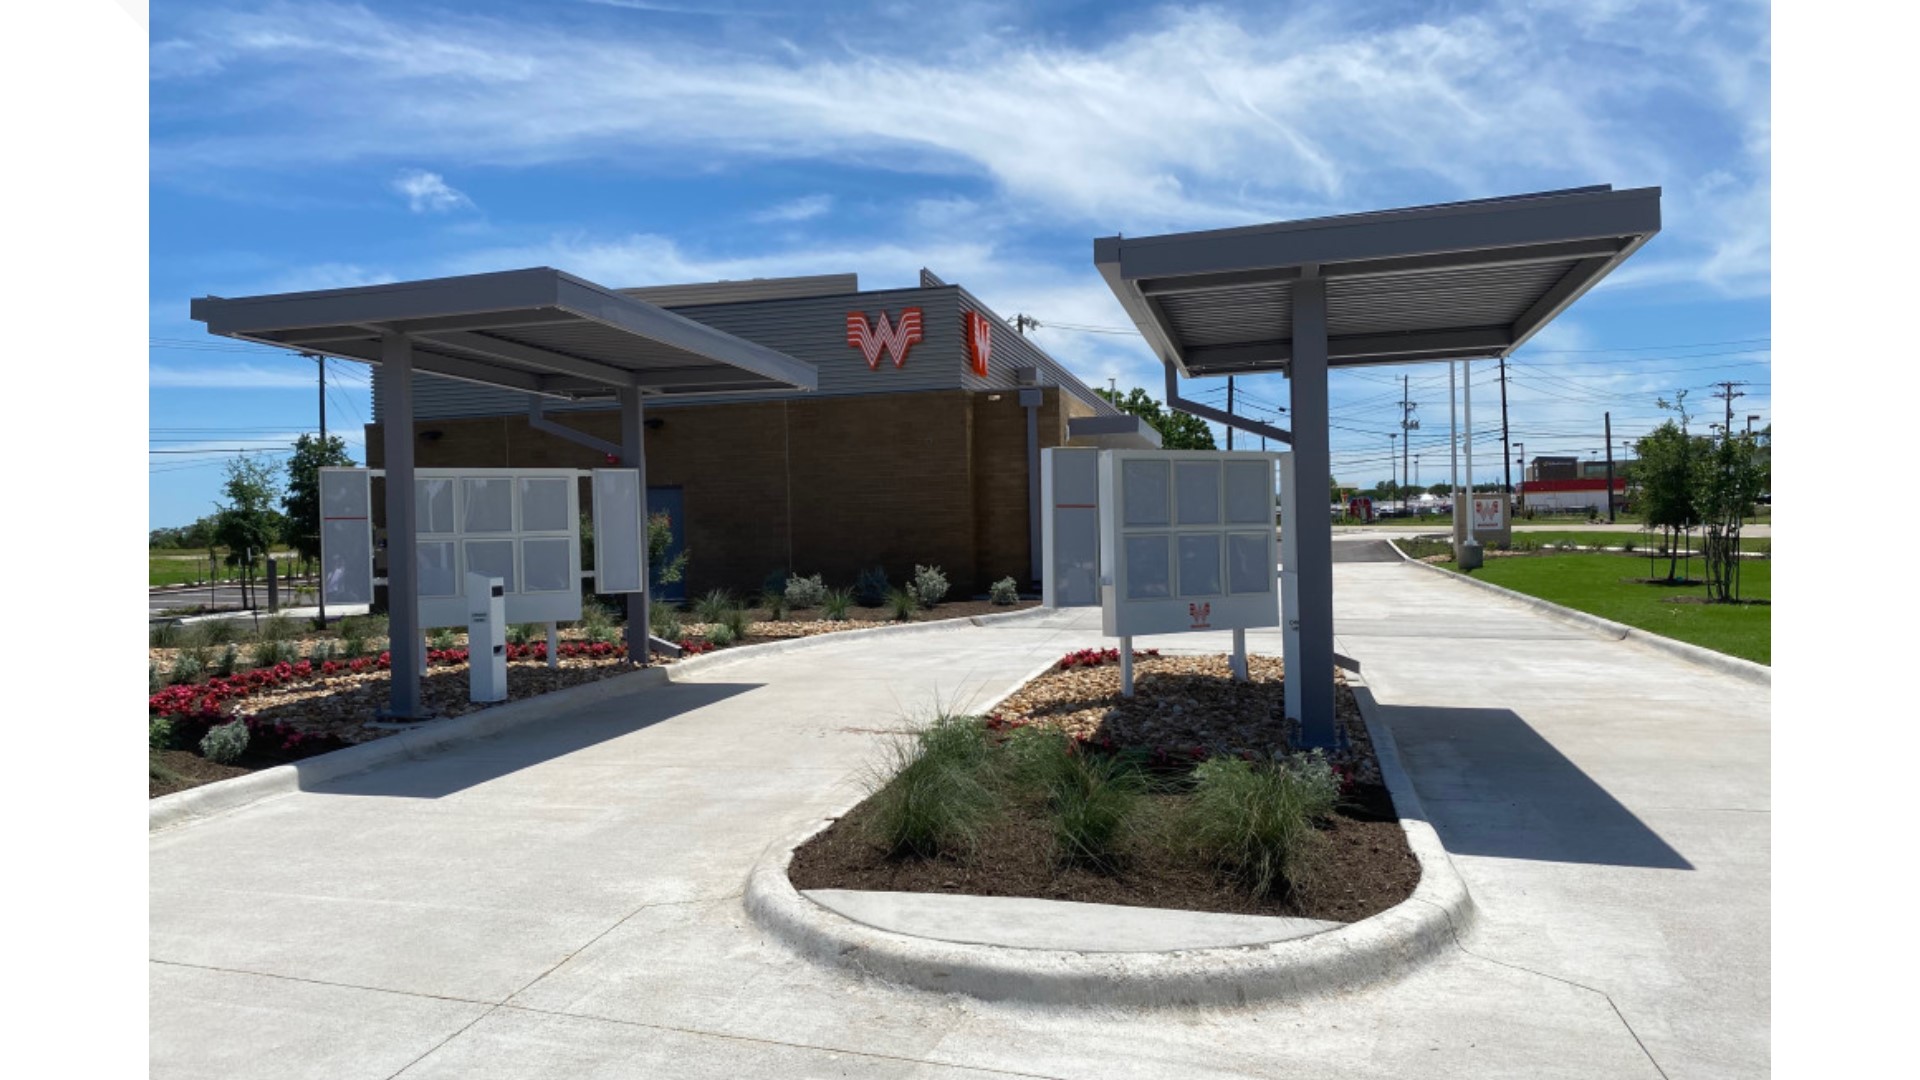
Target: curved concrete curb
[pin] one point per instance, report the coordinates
(1373, 950)
(432, 736)
(1745, 670)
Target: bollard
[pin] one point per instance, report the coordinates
(273, 586)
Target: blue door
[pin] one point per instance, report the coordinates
(668, 501)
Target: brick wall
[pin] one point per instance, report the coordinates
(827, 485)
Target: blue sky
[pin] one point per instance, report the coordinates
(314, 145)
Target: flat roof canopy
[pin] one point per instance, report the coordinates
(1446, 282)
(538, 330)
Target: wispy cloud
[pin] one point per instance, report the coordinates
(240, 376)
(429, 193)
(805, 208)
(1190, 118)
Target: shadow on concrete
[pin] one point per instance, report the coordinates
(455, 768)
(1492, 785)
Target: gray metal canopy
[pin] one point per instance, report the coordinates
(1450, 281)
(538, 330)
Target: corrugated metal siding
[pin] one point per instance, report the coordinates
(1231, 316)
(1011, 350)
(1481, 296)
(813, 329)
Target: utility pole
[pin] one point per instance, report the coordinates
(1523, 474)
(1408, 425)
(1609, 420)
(320, 579)
(1392, 482)
(1727, 394)
(1229, 411)
(1506, 446)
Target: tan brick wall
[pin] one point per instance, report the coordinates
(888, 480)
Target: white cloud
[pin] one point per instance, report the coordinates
(805, 208)
(428, 193)
(1192, 118)
(240, 376)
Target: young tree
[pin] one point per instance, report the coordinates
(1730, 481)
(247, 523)
(1666, 484)
(1178, 430)
(302, 501)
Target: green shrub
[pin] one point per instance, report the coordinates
(934, 792)
(320, 651)
(277, 628)
(665, 620)
(597, 619)
(1629, 544)
(713, 606)
(220, 631)
(353, 640)
(736, 622)
(441, 638)
(902, 604)
(366, 627)
(775, 601)
(187, 665)
(154, 681)
(522, 632)
(836, 603)
(600, 632)
(871, 587)
(269, 653)
(1003, 592)
(224, 744)
(159, 733)
(1255, 820)
(929, 585)
(229, 660)
(720, 635)
(806, 592)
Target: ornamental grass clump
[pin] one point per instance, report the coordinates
(871, 587)
(1256, 820)
(229, 659)
(1003, 592)
(902, 603)
(720, 635)
(1092, 799)
(929, 585)
(775, 603)
(224, 744)
(277, 628)
(736, 623)
(835, 606)
(934, 792)
(714, 606)
(806, 592)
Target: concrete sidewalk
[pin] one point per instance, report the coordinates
(564, 902)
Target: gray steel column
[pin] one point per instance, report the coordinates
(633, 454)
(1312, 463)
(1031, 401)
(403, 591)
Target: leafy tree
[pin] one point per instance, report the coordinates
(302, 501)
(1178, 430)
(1730, 480)
(247, 525)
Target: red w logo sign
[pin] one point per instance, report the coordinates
(979, 342)
(1199, 613)
(881, 336)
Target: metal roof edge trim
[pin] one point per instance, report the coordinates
(656, 323)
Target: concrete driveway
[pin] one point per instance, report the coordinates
(564, 902)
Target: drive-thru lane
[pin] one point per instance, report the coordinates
(564, 901)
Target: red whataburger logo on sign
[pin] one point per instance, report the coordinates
(1200, 613)
(979, 342)
(882, 336)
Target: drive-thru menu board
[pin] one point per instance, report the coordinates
(1187, 541)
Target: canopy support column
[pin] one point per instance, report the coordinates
(1312, 461)
(633, 454)
(403, 593)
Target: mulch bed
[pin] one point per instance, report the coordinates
(1180, 704)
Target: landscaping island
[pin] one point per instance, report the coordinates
(1183, 797)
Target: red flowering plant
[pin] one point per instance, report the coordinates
(1096, 657)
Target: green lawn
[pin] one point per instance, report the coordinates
(186, 567)
(1642, 542)
(1601, 585)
